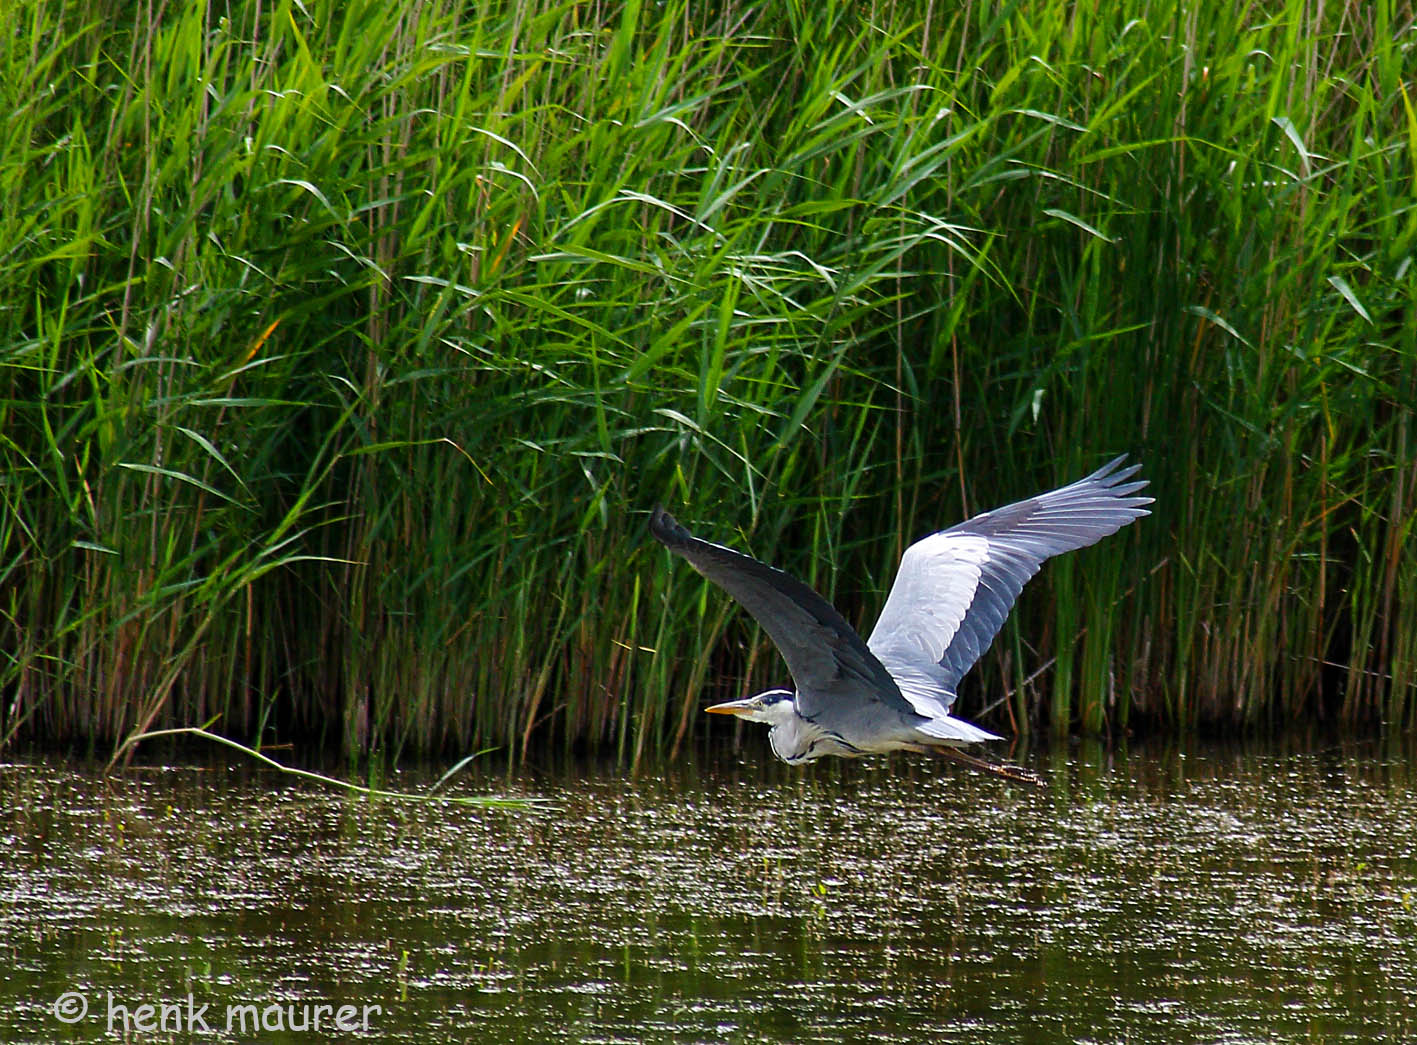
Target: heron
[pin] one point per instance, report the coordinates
(952, 593)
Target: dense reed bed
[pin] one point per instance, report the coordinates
(344, 348)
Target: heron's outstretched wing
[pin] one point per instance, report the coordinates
(822, 651)
(955, 588)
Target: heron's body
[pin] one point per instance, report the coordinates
(951, 595)
(796, 738)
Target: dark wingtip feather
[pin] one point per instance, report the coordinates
(666, 529)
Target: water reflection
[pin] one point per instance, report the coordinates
(1215, 893)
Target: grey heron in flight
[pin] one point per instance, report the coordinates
(951, 596)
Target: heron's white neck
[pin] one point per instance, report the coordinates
(793, 738)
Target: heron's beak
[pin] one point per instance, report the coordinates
(732, 707)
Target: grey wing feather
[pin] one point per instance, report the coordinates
(821, 649)
(955, 588)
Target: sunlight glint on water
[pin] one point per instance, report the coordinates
(1238, 895)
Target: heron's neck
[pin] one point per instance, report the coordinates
(794, 739)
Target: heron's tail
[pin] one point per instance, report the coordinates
(955, 730)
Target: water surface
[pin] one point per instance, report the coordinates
(1217, 894)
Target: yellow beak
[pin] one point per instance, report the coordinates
(731, 707)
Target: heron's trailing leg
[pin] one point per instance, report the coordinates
(1015, 773)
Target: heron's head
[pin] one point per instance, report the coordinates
(773, 707)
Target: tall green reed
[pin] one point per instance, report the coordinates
(346, 345)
